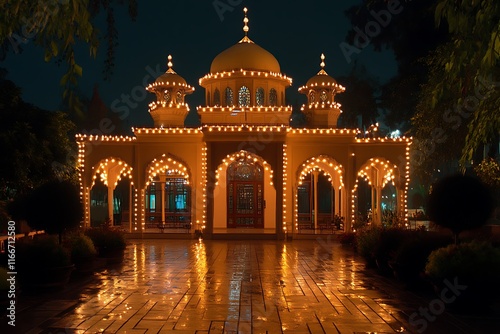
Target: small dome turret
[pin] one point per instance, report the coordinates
(170, 89)
(322, 110)
(321, 88)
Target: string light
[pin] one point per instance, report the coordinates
(242, 73)
(170, 83)
(250, 157)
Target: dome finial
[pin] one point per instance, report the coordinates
(170, 65)
(245, 21)
(322, 64)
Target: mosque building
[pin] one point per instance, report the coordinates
(245, 169)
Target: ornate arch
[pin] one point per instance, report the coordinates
(105, 166)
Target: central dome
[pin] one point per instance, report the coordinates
(245, 55)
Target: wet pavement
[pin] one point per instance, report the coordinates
(193, 286)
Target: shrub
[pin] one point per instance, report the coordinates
(476, 263)
(411, 256)
(81, 247)
(386, 247)
(348, 238)
(367, 240)
(41, 252)
(42, 263)
(107, 239)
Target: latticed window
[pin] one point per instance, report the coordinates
(175, 200)
(245, 170)
(259, 97)
(179, 99)
(167, 96)
(323, 96)
(273, 97)
(244, 97)
(229, 97)
(217, 97)
(312, 97)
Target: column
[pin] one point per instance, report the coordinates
(379, 204)
(374, 205)
(130, 207)
(162, 185)
(315, 181)
(110, 203)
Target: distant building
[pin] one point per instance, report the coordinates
(244, 167)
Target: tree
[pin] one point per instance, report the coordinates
(407, 28)
(359, 99)
(471, 70)
(439, 127)
(35, 144)
(489, 172)
(57, 26)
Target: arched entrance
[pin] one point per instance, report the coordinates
(245, 194)
(377, 195)
(324, 204)
(320, 195)
(172, 194)
(111, 194)
(167, 200)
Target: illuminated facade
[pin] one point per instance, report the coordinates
(245, 167)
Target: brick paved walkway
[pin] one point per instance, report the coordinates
(191, 286)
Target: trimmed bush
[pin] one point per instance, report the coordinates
(41, 252)
(411, 256)
(475, 265)
(367, 240)
(107, 240)
(42, 263)
(460, 203)
(81, 247)
(475, 262)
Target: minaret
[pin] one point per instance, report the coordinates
(169, 109)
(322, 110)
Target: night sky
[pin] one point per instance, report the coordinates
(295, 32)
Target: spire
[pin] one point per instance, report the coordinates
(170, 65)
(246, 28)
(322, 64)
(245, 21)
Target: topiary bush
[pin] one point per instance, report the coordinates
(81, 247)
(53, 207)
(460, 203)
(474, 264)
